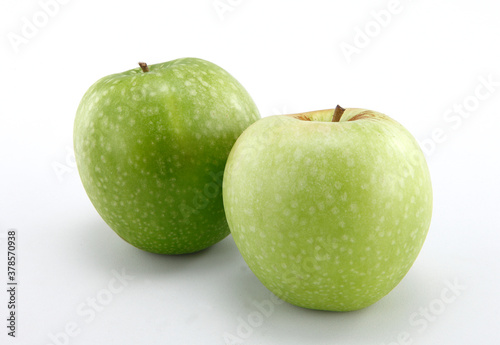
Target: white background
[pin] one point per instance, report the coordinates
(427, 59)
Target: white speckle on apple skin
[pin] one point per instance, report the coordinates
(151, 156)
(353, 234)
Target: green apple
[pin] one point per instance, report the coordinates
(151, 144)
(328, 208)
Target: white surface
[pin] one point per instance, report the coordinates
(429, 57)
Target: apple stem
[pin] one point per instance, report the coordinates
(144, 67)
(337, 114)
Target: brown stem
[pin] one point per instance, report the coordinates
(144, 67)
(338, 113)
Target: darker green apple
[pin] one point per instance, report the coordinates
(151, 145)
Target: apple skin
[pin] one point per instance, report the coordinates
(151, 149)
(328, 215)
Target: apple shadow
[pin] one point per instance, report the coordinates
(379, 323)
(235, 291)
(101, 247)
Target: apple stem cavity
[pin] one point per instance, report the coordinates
(337, 114)
(144, 67)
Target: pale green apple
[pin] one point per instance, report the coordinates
(151, 145)
(328, 214)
